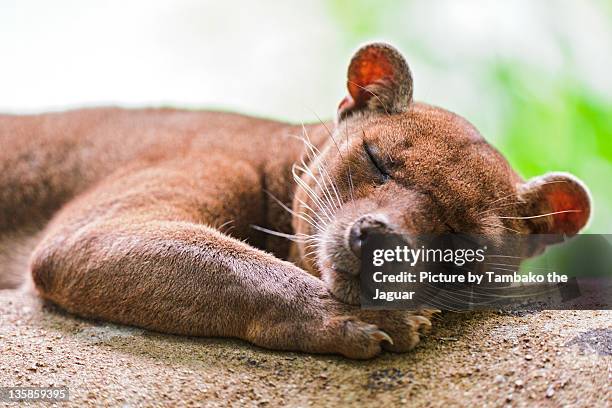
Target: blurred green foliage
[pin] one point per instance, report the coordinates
(547, 123)
(558, 126)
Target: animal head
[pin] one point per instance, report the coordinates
(392, 165)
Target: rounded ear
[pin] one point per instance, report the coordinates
(556, 203)
(378, 80)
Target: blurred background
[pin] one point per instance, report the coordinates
(534, 77)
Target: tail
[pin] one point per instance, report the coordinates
(37, 165)
(41, 160)
(46, 160)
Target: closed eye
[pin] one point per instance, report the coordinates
(373, 155)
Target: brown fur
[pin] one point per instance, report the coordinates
(152, 210)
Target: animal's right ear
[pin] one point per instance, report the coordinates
(556, 203)
(379, 80)
(554, 206)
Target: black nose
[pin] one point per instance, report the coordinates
(368, 224)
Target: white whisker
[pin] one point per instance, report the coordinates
(542, 215)
(305, 217)
(502, 226)
(310, 192)
(321, 164)
(292, 237)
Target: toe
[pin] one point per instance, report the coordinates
(422, 324)
(363, 340)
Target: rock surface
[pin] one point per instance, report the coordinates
(548, 358)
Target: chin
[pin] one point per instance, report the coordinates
(343, 286)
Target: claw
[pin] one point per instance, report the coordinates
(382, 336)
(429, 312)
(423, 322)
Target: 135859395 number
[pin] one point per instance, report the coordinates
(13, 394)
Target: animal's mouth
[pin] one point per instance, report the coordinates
(342, 285)
(348, 272)
(337, 257)
(348, 269)
(342, 277)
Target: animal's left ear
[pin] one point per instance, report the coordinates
(379, 80)
(556, 203)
